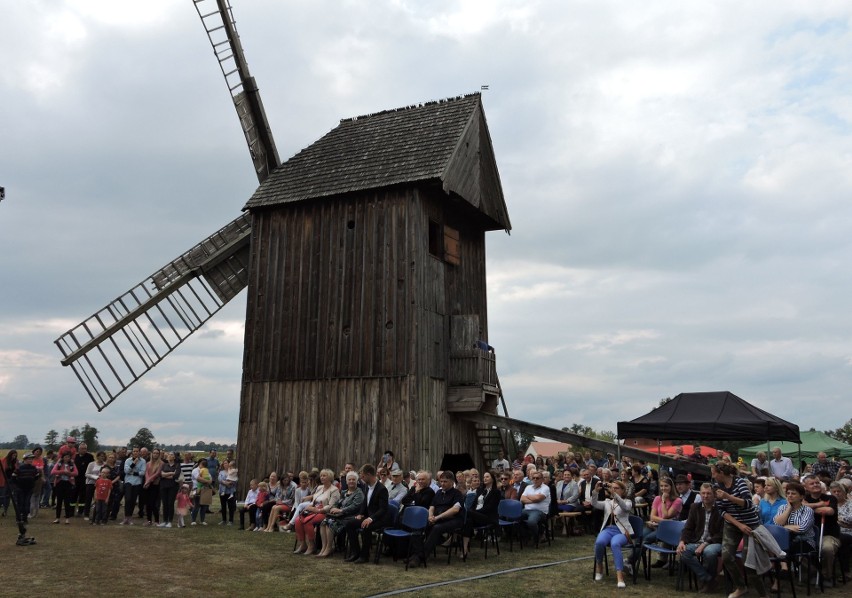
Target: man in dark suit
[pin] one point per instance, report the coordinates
(373, 516)
(696, 541)
(591, 518)
(688, 496)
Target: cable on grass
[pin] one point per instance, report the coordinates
(438, 584)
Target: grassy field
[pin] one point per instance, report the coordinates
(220, 561)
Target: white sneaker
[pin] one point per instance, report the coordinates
(621, 584)
(203, 523)
(193, 523)
(161, 524)
(598, 576)
(167, 525)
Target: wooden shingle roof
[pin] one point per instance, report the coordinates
(426, 142)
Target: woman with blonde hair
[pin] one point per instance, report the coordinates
(616, 529)
(772, 500)
(324, 498)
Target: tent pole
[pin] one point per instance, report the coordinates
(618, 451)
(659, 452)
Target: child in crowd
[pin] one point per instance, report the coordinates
(103, 488)
(183, 503)
(249, 505)
(262, 495)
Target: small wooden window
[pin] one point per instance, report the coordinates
(436, 241)
(452, 246)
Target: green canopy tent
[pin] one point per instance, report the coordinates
(813, 443)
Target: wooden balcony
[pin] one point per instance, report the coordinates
(472, 380)
(473, 367)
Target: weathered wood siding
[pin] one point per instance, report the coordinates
(298, 424)
(330, 291)
(348, 332)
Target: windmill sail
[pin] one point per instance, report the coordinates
(218, 19)
(120, 343)
(114, 347)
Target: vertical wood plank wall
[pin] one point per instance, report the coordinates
(348, 334)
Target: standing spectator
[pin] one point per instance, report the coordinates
(500, 464)
(47, 486)
(227, 492)
(25, 476)
(93, 474)
(203, 492)
(116, 474)
(81, 461)
(186, 467)
(69, 447)
(822, 466)
(134, 476)
(6, 472)
(39, 464)
(151, 488)
(781, 466)
(733, 499)
(183, 503)
(760, 465)
(103, 488)
(169, 480)
(213, 467)
(65, 476)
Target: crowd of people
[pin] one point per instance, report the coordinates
(326, 510)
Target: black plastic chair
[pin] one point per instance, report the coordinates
(636, 548)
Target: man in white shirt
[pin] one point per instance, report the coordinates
(536, 501)
(500, 464)
(781, 467)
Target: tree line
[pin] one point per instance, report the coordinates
(89, 434)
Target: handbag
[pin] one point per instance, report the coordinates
(205, 496)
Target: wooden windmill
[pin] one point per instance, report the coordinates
(364, 257)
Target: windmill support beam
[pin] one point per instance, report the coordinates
(517, 425)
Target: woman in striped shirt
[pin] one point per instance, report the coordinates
(798, 518)
(734, 500)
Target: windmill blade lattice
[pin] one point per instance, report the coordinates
(117, 345)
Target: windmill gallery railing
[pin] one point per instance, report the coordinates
(473, 367)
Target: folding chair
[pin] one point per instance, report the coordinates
(668, 532)
(414, 522)
(782, 536)
(509, 514)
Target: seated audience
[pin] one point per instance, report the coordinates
(483, 511)
(616, 530)
(702, 538)
(666, 506)
(352, 499)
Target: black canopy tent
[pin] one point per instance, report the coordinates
(710, 416)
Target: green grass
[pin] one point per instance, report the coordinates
(222, 561)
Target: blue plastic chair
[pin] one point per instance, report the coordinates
(509, 513)
(668, 532)
(414, 522)
(393, 511)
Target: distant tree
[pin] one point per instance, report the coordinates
(90, 437)
(51, 440)
(21, 441)
(200, 445)
(843, 434)
(144, 437)
(664, 401)
(522, 441)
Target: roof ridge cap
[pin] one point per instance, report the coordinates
(412, 107)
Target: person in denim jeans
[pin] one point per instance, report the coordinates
(702, 539)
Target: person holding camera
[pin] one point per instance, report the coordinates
(616, 529)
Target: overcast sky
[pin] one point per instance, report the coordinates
(678, 175)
